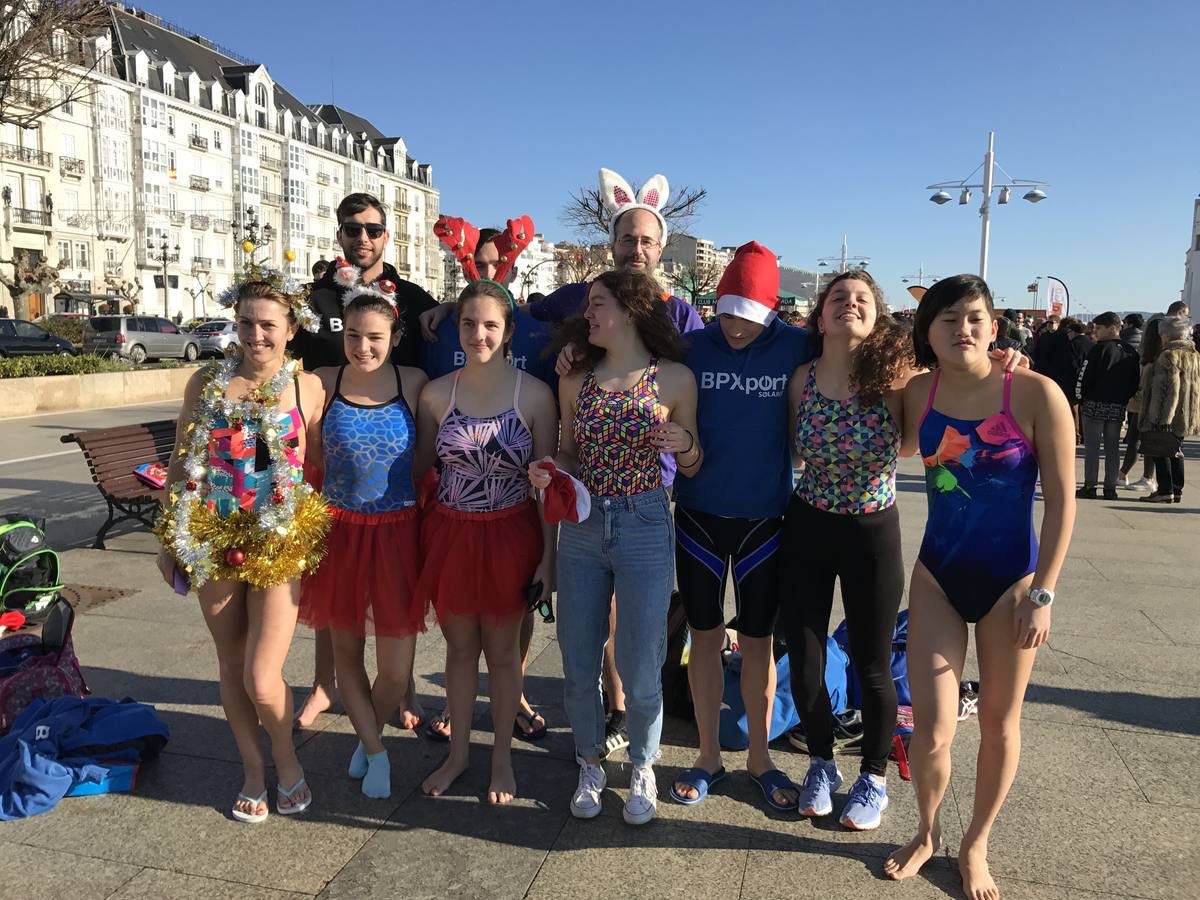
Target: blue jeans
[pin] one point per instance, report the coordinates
(627, 543)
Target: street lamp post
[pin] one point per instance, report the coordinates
(918, 290)
(843, 261)
(1035, 194)
(164, 256)
(250, 235)
(525, 282)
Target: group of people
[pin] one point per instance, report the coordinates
(362, 492)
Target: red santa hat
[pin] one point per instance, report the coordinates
(566, 499)
(749, 289)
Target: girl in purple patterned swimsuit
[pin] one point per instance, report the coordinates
(483, 541)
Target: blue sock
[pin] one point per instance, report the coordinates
(358, 762)
(378, 781)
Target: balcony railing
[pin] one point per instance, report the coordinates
(176, 217)
(25, 155)
(199, 223)
(322, 178)
(324, 212)
(112, 269)
(36, 217)
(28, 98)
(404, 267)
(312, 240)
(270, 162)
(199, 183)
(273, 199)
(197, 142)
(220, 226)
(202, 263)
(70, 167)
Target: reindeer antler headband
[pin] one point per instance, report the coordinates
(462, 240)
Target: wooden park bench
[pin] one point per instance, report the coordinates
(112, 454)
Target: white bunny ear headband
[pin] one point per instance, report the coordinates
(618, 198)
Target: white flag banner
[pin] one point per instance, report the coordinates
(1058, 299)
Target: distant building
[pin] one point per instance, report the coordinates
(1191, 266)
(536, 269)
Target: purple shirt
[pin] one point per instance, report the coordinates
(570, 299)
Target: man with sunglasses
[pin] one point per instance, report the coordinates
(363, 236)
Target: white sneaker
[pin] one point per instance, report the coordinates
(1143, 484)
(643, 796)
(592, 781)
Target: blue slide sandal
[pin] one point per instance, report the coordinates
(700, 780)
(771, 781)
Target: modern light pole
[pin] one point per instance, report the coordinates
(917, 291)
(843, 261)
(1035, 194)
(166, 254)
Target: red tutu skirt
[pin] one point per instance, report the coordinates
(367, 582)
(479, 564)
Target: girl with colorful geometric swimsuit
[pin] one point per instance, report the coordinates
(241, 526)
(483, 543)
(368, 581)
(984, 435)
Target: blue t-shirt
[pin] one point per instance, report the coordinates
(530, 340)
(742, 416)
(570, 299)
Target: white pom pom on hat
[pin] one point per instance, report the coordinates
(749, 289)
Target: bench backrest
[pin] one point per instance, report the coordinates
(112, 454)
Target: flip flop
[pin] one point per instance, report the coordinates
(534, 734)
(701, 780)
(287, 794)
(251, 818)
(442, 718)
(771, 781)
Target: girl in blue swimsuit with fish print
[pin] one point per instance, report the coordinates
(983, 435)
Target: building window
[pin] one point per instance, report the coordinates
(260, 96)
(216, 139)
(64, 254)
(168, 85)
(170, 123)
(171, 159)
(81, 255)
(68, 107)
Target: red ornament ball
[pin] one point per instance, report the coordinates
(191, 485)
(277, 498)
(235, 556)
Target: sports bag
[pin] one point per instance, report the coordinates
(899, 662)
(33, 667)
(29, 569)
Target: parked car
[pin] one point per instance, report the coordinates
(216, 336)
(138, 338)
(191, 325)
(21, 338)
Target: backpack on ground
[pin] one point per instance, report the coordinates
(29, 569)
(899, 662)
(45, 667)
(677, 694)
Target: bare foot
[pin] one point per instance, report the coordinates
(907, 861)
(251, 788)
(976, 877)
(504, 783)
(439, 782)
(411, 715)
(320, 699)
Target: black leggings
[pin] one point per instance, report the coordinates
(1132, 441)
(864, 552)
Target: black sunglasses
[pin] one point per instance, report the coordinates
(354, 229)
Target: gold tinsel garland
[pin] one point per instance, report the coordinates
(270, 558)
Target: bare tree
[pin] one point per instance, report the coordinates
(577, 263)
(586, 216)
(44, 59)
(30, 276)
(695, 279)
(128, 291)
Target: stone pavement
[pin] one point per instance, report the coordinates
(1105, 803)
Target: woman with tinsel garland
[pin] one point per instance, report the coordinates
(367, 582)
(241, 526)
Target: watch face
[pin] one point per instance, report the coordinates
(1040, 596)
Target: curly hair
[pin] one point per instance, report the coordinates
(263, 290)
(641, 297)
(883, 357)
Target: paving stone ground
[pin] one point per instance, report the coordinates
(1106, 803)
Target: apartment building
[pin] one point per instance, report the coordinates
(155, 177)
(1191, 266)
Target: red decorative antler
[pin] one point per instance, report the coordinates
(510, 242)
(461, 238)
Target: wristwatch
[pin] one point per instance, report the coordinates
(1040, 597)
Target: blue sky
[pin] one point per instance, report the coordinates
(803, 120)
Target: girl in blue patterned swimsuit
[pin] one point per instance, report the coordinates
(984, 434)
(368, 580)
(483, 542)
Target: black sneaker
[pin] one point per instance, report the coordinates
(615, 736)
(1110, 493)
(1086, 493)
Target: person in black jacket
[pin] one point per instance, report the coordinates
(363, 236)
(1107, 380)
(1131, 333)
